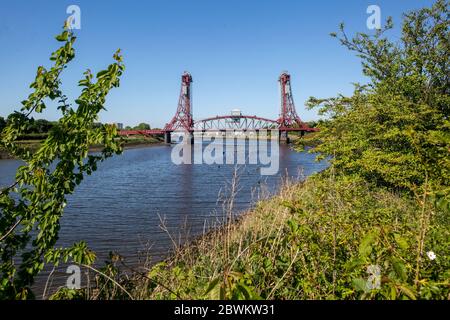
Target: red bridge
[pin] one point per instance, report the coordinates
(183, 120)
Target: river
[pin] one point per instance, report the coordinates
(120, 207)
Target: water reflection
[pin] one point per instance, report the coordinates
(118, 207)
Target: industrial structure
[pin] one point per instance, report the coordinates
(183, 120)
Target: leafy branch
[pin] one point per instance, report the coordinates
(31, 207)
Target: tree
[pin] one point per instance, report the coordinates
(142, 126)
(2, 123)
(31, 207)
(41, 126)
(394, 134)
(312, 124)
(394, 131)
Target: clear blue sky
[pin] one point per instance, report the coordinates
(235, 50)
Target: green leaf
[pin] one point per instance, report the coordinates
(365, 248)
(408, 292)
(400, 269)
(402, 243)
(360, 284)
(63, 36)
(293, 225)
(212, 285)
(102, 73)
(353, 264)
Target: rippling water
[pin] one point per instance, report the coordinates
(119, 207)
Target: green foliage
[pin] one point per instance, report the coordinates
(324, 239)
(68, 294)
(142, 126)
(395, 129)
(352, 229)
(376, 224)
(31, 208)
(394, 133)
(235, 286)
(2, 123)
(35, 130)
(105, 283)
(38, 126)
(42, 126)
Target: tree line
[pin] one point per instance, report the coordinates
(41, 127)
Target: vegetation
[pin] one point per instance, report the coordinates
(394, 131)
(375, 225)
(35, 129)
(38, 131)
(317, 240)
(140, 126)
(138, 140)
(2, 123)
(31, 207)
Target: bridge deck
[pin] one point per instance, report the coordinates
(161, 132)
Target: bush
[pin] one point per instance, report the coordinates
(31, 207)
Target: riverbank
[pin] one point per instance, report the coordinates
(32, 145)
(314, 240)
(128, 143)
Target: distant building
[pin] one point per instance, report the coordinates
(119, 125)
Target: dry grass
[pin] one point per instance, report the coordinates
(217, 253)
(314, 240)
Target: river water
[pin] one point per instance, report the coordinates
(120, 207)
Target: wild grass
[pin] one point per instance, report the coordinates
(320, 239)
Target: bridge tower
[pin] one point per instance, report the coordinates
(288, 115)
(182, 120)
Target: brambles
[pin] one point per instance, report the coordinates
(394, 131)
(332, 237)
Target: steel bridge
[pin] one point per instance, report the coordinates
(235, 123)
(182, 121)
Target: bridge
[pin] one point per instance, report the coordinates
(183, 121)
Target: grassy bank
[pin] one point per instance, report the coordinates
(31, 145)
(137, 141)
(322, 239)
(128, 142)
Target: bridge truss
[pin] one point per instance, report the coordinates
(183, 119)
(233, 122)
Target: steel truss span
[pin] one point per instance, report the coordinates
(238, 123)
(183, 119)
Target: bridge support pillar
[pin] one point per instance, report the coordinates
(167, 137)
(284, 137)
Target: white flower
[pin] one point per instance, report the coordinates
(431, 255)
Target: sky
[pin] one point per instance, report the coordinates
(234, 49)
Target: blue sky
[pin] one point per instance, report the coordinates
(234, 49)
